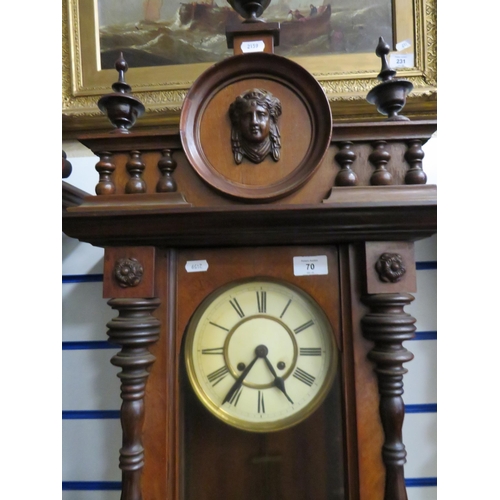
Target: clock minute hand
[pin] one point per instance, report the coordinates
(278, 381)
(239, 381)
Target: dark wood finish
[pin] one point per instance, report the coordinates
(266, 465)
(380, 158)
(269, 33)
(145, 256)
(135, 329)
(157, 227)
(340, 221)
(66, 166)
(250, 10)
(346, 157)
(72, 196)
(407, 283)
(390, 131)
(349, 374)
(105, 167)
(390, 95)
(121, 108)
(388, 326)
(414, 157)
(135, 168)
(370, 435)
(305, 126)
(167, 166)
(198, 193)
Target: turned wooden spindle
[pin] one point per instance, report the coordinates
(345, 158)
(135, 330)
(105, 167)
(414, 156)
(380, 157)
(167, 166)
(135, 167)
(388, 326)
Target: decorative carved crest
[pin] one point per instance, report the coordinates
(254, 126)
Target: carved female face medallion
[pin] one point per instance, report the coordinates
(254, 126)
(254, 122)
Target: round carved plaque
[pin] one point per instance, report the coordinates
(228, 97)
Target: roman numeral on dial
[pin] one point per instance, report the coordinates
(261, 301)
(237, 308)
(213, 350)
(236, 397)
(301, 328)
(218, 326)
(286, 307)
(304, 377)
(310, 351)
(218, 375)
(260, 406)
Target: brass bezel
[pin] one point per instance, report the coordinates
(242, 424)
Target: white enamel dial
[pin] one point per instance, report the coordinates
(260, 354)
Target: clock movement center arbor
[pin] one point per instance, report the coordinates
(274, 343)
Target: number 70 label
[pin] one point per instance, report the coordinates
(310, 265)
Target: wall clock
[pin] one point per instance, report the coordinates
(247, 332)
(260, 354)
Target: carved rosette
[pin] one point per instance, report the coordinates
(390, 267)
(128, 272)
(135, 330)
(388, 326)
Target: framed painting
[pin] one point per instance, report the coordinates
(168, 44)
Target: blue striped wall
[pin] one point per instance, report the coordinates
(424, 487)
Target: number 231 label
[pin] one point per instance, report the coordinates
(308, 266)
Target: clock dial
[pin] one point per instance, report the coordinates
(260, 354)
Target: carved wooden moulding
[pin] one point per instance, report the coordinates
(256, 126)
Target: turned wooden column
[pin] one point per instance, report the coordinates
(390, 269)
(388, 326)
(135, 329)
(129, 279)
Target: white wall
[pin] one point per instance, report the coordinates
(90, 391)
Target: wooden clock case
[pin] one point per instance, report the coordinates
(361, 202)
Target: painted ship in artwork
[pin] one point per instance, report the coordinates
(194, 32)
(296, 28)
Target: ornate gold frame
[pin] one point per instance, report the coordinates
(346, 78)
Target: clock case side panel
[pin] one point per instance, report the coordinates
(162, 461)
(368, 427)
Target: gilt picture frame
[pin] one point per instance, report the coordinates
(345, 77)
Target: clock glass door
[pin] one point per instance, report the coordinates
(260, 378)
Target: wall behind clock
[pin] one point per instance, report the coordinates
(91, 433)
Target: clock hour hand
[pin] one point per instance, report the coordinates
(278, 381)
(260, 352)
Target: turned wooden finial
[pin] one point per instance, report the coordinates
(67, 168)
(390, 95)
(250, 10)
(121, 108)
